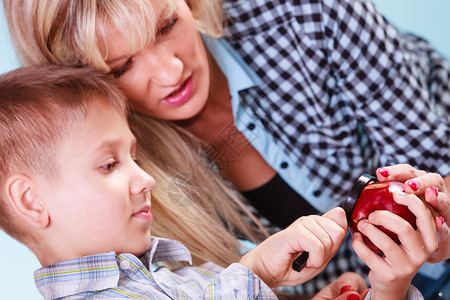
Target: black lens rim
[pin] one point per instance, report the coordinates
(354, 193)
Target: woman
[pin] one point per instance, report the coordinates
(318, 90)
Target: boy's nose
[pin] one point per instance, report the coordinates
(143, 183)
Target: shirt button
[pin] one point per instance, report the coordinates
(125, 264)
(317, 193)
(251, 126)
(241, 295)
(284, 165)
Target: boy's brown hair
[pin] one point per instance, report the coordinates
(39, 105)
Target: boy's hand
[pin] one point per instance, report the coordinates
(321, 236)
(391, 275)
(432, 189)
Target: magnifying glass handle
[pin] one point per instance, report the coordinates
(300, 262)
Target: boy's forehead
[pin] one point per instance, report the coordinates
(103, 125)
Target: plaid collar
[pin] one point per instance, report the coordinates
(102, 271)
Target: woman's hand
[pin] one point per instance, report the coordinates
(349, 285)
(390, 275)
(434, 191)
(321, 236)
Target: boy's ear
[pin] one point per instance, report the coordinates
(24, 202)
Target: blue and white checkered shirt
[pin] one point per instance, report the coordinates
(121, 276)
(339, 92)
(327, 90)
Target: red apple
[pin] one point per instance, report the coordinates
(378, 196)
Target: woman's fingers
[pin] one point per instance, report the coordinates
(400, 172)
(416, 181)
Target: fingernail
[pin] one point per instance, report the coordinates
(355, 235)
(344, 289)
(440, 220)
(353, 297)
(383, 172)
(413, 185)
(362, 224)
(436, 191)
(372, 216)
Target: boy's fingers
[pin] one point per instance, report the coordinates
(337, 214)
(379, 238)
(318, 234)
(424, 220)
(321, 237)
(372, 260)
(335, 233)
(313, 245)
(410, 240)
(329, 234)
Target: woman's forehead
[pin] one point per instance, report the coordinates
(135, 16)
(132, 25)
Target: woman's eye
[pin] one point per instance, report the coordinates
(120, 71)
(168, 25)
(110, 166)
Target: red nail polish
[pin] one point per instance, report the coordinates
(435, 190)
(344, 289)
(441, 219)
(366, 197)
(413, 185)
(353, 297)
(383, 172)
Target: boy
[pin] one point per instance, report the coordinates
(72, 190)
(73, 193)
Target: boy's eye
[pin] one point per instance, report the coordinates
(168, 25)
(110, 166)
(121, 70)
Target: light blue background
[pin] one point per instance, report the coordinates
(426, 18)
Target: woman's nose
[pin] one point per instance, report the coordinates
(165, 68)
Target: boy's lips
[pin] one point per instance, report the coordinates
(181, 94)
(144, 213)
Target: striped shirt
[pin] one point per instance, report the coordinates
(109, 275)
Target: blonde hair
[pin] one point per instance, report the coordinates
(198, 208)
(73, 32)
(39, 106)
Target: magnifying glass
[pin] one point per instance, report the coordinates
(300, 262)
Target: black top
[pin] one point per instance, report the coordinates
(278, 202)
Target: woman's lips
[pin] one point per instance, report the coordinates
(182, 94)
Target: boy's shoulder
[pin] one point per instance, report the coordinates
(101, 273)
